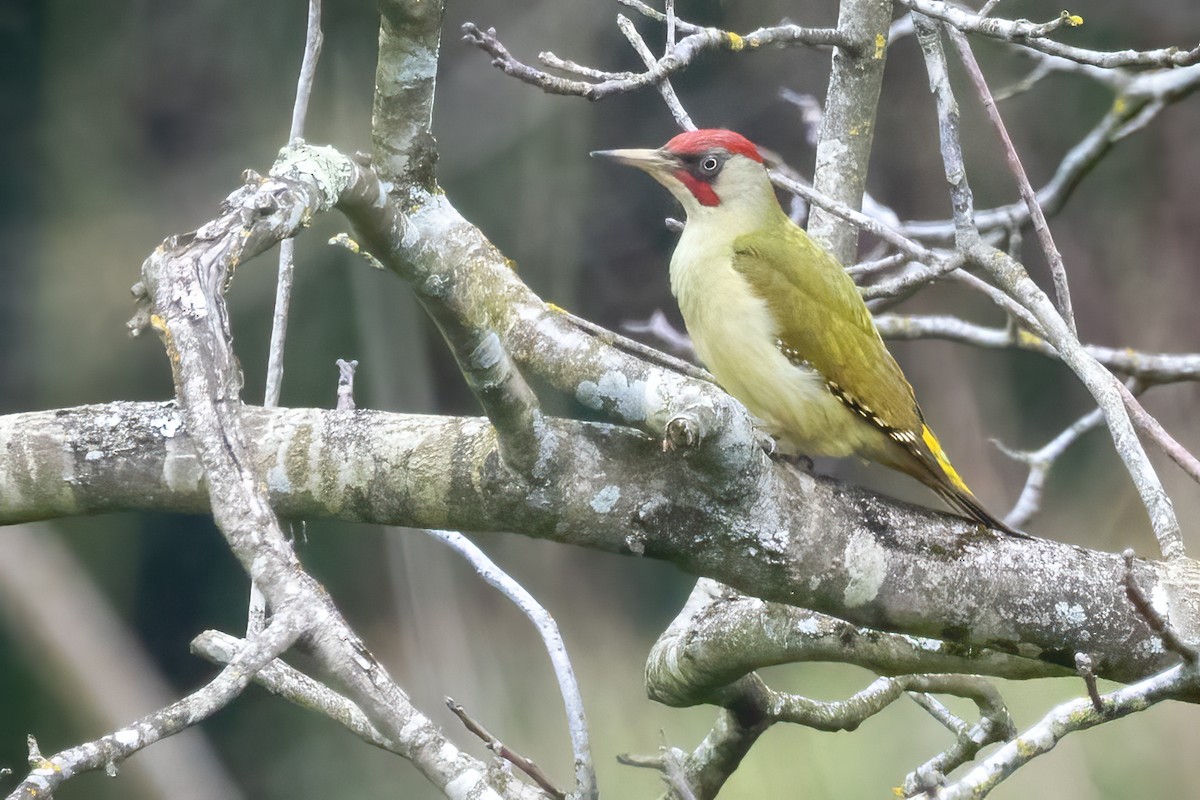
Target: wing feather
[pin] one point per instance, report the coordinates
(829, 327)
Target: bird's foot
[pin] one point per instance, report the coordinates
(797, 461)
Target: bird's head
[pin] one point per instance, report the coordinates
(707, 170)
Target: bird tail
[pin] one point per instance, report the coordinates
(965, 502)
(936, 472)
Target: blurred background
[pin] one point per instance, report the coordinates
(124, 122)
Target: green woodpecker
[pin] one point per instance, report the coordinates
(781, 325)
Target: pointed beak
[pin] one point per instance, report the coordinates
(652, 161)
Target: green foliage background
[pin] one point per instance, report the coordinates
(124, 122)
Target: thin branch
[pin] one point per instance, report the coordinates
(108, 751)
(962, 202)
(680, 26)
(1015, 282)
(682, 118)
(314, 38)
(1159, 435)
(547, 628)
(257, 604)
(1070, 717)
(1139, 97)
(504, 751)
(1149, 368)
(287, 248)
(968, 741)
(1058, 270)
(643, 352)
(1100, 383)
(682, 54)
(659, 329)
(281, 679)
(1032, 35)
(1040, 461)
(910, 247)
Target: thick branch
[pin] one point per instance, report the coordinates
(722, 635)
(183, 282)
(410, 33)
(790, 538)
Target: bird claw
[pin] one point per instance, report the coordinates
(767, 442)
(796, 461)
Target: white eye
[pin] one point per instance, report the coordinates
(710, 164)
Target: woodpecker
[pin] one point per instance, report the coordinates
(780, 324)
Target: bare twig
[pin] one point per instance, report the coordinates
(664, 87)
(1032, 35)
(1149, 368)
(1058, 270)
(1076, 715)
(1139, 97)
(585, 771)
(811, 113)
(1159, 435)
(671, 763)
(682, 54)
(1086, 669)
(1015, 282)
(108, 751)
(503, 751)
(968, 741)
(279, 678)
(1040, 462)
(257, 604)
(636, 348)
(283, 290)
(658, 327)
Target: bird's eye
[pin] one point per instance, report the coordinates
(710, 165)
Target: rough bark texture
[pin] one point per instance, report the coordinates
(789, 537)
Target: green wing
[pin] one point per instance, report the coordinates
(822, 320)
(824, 323)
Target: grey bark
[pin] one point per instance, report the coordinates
(784, 536)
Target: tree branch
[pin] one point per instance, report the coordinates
(585, 772)
(1012, 278)
(683, 53)
(1032, 35)
(790, 538)
(108, 751)
(848, 127)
